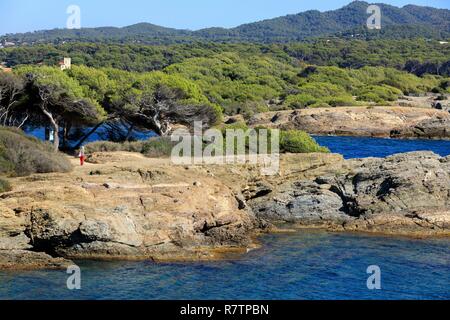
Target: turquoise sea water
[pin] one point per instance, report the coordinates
(304, 265)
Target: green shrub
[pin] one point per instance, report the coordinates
(317, 86)
(246, 109)
(21, 155)
(299, 101)
(154, 147)
(339, 77)
(445, 85)
(341, 101)
(321, 89)
(378, 94)
(293, 141)
(296, 141)
(103, 146)
(371, 97)
(408, 83)
(405, 82)
(235, 126)
(157, 147)
(437, 90)
(4, 185)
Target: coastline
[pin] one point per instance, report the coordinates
(123, 206)
(376, 122)
(387, 138)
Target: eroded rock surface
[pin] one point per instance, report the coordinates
(127, 207)
(403, 194)
(406, 122)
(29, 260)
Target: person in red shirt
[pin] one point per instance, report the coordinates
(82, 156)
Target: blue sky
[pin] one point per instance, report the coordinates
(31, 15)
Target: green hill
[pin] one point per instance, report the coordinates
(350, 21)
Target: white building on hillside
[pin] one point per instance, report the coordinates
(66, 64)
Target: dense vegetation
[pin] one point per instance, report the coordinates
(205, 81)
(153, 147)
(245, 85)
(128, 87)
(291, 141)
(21, 155)
(87, 97)
(417, 56)
(249, 78)
(296, 141)
(407, 22)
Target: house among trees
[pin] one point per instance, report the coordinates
(66, 64)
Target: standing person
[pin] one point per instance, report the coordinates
(82, 156)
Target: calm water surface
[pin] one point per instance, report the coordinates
(362, 147)
(304, 265)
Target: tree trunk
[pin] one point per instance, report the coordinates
(66, 130)
(129, 133)
(55, 136)
(55, 127)
(64, 135)
(88, 135)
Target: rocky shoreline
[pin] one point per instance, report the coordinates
(125, 206)
(405, 194)
(383, 122)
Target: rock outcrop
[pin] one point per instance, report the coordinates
(394, 122)
(29, 260)
(126, 207)
(404, 194)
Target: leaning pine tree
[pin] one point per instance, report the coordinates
(58, 100)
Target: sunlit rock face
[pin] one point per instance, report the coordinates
(394, 122)
(402, 194)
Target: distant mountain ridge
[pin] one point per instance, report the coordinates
(349, 21)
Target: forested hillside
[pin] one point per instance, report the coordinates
(350, 21)
(417, 56)
(229, 82)
(134, 86)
